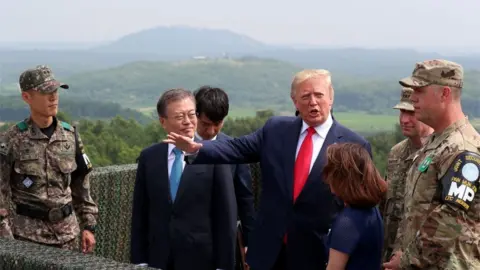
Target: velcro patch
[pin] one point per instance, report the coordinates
(461, 182)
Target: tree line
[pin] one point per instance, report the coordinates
(120, 140)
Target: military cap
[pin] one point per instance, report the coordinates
(405, 102)
(438, 71)
(40, 79)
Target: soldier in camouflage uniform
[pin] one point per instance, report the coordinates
(44, 172)
(441, 225)
(399, 161)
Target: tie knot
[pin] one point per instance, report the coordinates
(311, 131)
(177, 152)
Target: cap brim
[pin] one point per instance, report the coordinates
(404, 106)
(51, 86)
(413, 82)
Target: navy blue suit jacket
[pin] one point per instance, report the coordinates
(197, 230)
(306, 221)
(242, 180)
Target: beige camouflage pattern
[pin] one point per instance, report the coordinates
(400, 159)
(439, 72)
(405, 102)
(73, 245)
(48, 164)
(436, 235)
(41, 79)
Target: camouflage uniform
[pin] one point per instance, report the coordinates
(441, 228)
(44, 181)
(399, 161)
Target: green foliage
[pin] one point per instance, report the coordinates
(120, 141)
(12, 108)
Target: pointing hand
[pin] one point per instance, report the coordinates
(186, 144)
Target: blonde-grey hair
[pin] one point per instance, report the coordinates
(306, 74)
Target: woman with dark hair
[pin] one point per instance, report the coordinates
(356, 237)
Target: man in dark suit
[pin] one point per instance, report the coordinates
(296, 206)
(212, 108)
(183, 217)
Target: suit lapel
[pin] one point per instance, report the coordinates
(181, 186)
(190, 173)
(290, 143)
(160, 168)
(333, 136)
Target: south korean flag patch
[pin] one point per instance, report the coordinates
(461, 182)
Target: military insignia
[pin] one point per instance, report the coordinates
(22, 126)
(27, 182)
(87, 161)
(425, 163)
(461, 181)
(66, 146)
(66, 126)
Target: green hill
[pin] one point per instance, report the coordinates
(251, 83)
(12, 109)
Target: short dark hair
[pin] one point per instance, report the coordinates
(212, 102)
(352, 175)
(170, 96)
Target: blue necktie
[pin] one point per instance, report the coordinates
(176, 172)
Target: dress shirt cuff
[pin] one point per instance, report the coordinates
(191, 154)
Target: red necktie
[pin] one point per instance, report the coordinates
(302, 164)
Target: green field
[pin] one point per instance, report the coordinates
(234, 112)
(363, 122)
(360, 121)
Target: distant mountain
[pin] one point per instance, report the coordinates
(184, 41)
(48, 45)
(251, 84)
(181, 43)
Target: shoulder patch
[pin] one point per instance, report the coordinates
(461, 181)
(66, 126)
(22, 126)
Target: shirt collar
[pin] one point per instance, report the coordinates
(201, 139)
(170, 149)
(322, 129)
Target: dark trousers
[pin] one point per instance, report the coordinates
(170, 264)
(281, 263)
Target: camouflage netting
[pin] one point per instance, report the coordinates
(112, 189)
(28, 256)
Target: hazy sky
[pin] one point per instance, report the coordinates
(372, 23)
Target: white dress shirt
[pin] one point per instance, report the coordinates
(201, 139)
(318, 138)
(171, 159)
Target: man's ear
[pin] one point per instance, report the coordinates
(446, 93)
(162, 121)
(26, 97)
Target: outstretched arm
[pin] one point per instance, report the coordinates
(245, 149)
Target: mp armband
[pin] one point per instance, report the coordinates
(461, 181)
(83, 162)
